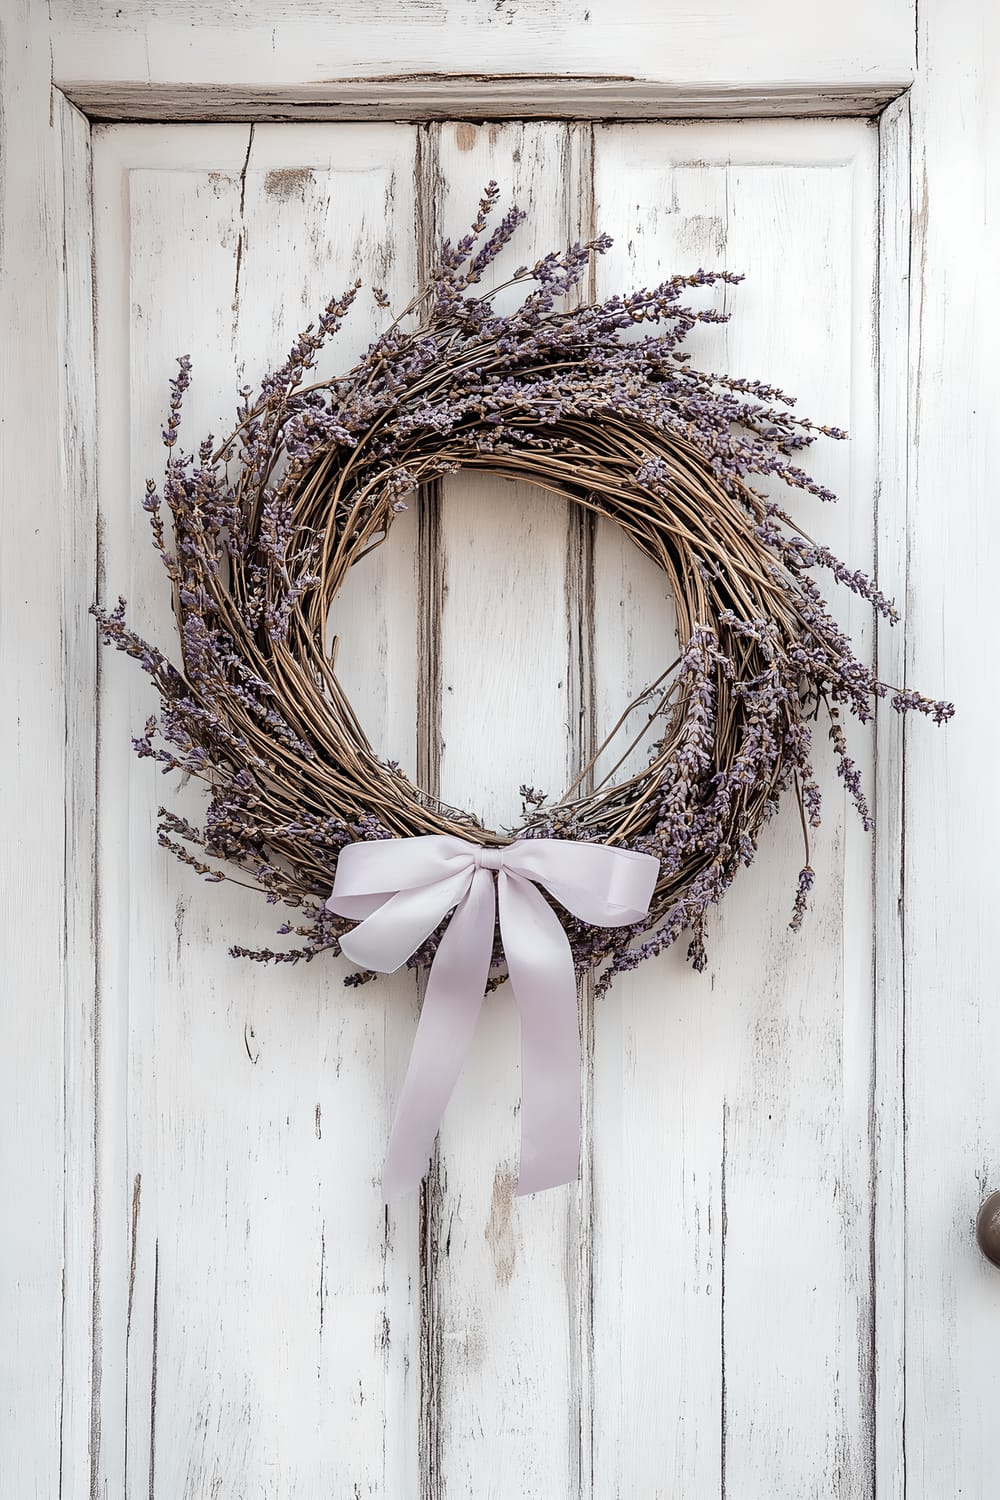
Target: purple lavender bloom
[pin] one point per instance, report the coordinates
(256, 534)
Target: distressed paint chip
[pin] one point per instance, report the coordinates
(286, 182)
(500, 1226)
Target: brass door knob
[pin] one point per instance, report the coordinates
(988, 1228)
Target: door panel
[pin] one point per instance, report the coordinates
(504, 1282)
(696, 1316)
(731, 1108)
(258, 1326)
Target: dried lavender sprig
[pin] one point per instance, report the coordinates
(597, 401)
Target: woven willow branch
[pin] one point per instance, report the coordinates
(569, 399)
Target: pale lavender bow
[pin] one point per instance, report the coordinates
(400, 890)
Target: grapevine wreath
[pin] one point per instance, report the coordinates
(595, 402)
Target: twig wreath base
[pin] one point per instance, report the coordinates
(579, 401)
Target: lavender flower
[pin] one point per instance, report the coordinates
(264, 526)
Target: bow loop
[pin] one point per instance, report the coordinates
(402, 889)
(604, 886)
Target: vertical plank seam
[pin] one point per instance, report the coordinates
(579, 150)
(723, 1208)
(430, 580)
(67, 919)
(92, 996)
(904, 736)
(724, 1226)
(96, 1345)
(152, 1373)
(870, 1424)
(430, 589)
(866, 1297)
(62, 1373)
(890, 747)
(133, 1255)
(96, 1330)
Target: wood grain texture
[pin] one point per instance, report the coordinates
(205, 1364)
(768, 48)
(555, 1332)
(36, 887)
(733, 1204)
(257, 1302)
(504, 1360)
(477, 96)
(891, 547)
(952, 822)
(78, 500)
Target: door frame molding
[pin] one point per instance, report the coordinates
(471, 96)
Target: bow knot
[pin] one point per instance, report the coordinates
(401, 890)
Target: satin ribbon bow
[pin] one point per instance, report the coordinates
(400, 890)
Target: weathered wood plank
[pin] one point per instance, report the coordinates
(731, 1119)
(34, 757)
(258, 1303)
(504, 1365)
(470, 96)
(952, 821)
(891, 543)
(79, 590)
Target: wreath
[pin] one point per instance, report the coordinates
(595, 402)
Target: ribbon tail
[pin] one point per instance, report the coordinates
(454, 995)
(540, 963)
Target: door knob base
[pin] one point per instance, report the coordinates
(988, 1228)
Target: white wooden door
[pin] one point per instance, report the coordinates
(766, 1282)
(697, 1316)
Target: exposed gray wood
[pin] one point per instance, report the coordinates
(475, 97)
